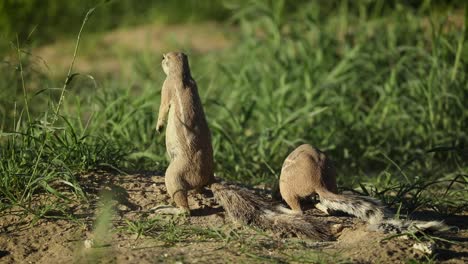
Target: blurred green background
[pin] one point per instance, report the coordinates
(51, 19)
(47, 20)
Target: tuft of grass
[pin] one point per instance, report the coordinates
(42, 155)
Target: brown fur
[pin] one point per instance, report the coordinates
(188, 138)
(188, 143)
(250, 209)
(307, 171)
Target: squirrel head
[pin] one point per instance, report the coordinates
(175, 64)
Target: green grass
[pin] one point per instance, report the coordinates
(382, 88)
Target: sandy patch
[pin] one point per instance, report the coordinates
(207, 236)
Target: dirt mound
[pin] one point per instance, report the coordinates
(117, 225)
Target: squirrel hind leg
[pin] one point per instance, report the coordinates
(294, 203)
(177, 188)
(181, 200)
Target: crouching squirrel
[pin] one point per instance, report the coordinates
(307, 171)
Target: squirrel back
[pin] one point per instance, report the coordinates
(307, 171)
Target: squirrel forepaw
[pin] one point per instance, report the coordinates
(159, 127)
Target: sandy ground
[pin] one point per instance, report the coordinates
(206, 236)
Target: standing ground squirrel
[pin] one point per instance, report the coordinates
(188, 138)
(307, 171)
(188, 143)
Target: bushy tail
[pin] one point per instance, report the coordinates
(363, 207)
(372, 211)
(399, 226)
(247, 208)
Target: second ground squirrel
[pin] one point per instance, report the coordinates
(307, 171)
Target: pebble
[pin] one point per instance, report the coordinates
(425, 247)
(88, 243)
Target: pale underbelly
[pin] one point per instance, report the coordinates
(181, 141)
(172, 140)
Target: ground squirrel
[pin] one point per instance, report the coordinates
(307, 171)
(188, 144)
(188, 138)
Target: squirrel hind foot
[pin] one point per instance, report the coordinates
(170, 210)
(322, 208)
(284, 210)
